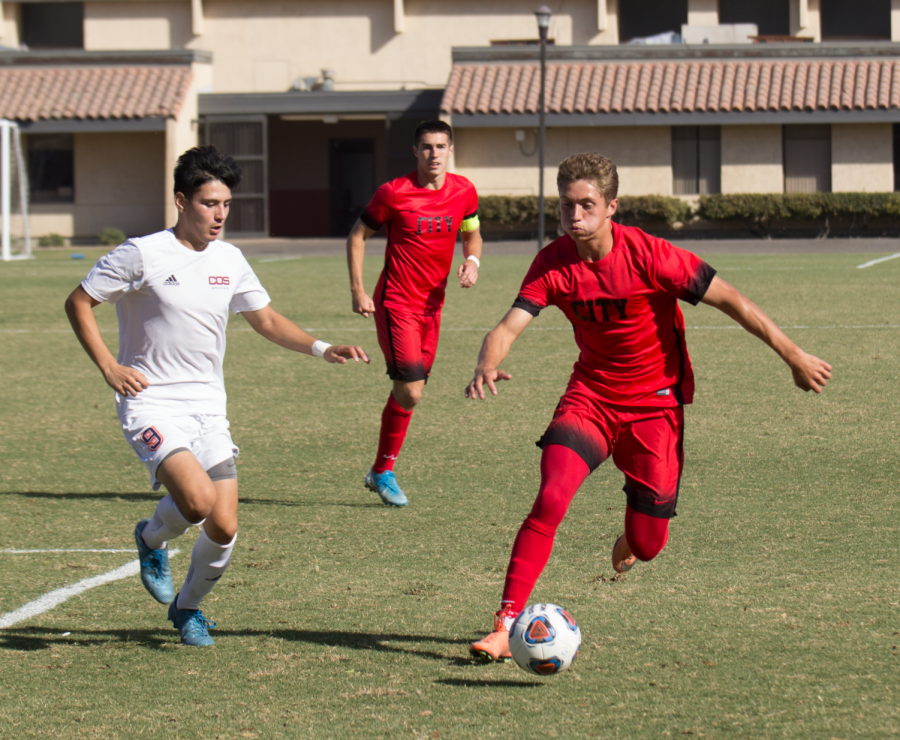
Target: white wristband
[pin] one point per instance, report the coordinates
(319, 347)
(474, 259)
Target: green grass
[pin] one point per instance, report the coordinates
(773, 612)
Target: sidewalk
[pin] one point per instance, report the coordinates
(335, 247)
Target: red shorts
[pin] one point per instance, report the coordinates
(647, 444)
(408, 340)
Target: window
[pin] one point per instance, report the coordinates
(53, 25)
(807, 158)
(770, 16)
(51, 171)
(637, 20)
(861, 19)
(696, 160)
(896, 157)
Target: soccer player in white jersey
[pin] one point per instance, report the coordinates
(173, 291)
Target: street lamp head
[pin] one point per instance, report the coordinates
(543, 17)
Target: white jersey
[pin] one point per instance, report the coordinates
(172, 304)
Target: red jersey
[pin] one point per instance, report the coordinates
(421, 235)
(625, 313)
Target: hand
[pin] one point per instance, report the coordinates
(467, 274)
(485, 376)
(125, 380)
(810, 373)
(340, 353)
(363, 305)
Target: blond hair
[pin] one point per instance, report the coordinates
(593, 167)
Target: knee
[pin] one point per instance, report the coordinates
(644, 550)
(199, 502)
(408, 396)
(550, 507)
(646, 535)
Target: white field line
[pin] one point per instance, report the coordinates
(875, 262)
(27, 552)
(55, 598)
(281, 259)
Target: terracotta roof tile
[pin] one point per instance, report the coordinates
(593, 87)
(40, 93)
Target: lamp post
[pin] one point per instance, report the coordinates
(543, 20)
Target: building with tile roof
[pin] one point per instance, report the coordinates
(318, 101)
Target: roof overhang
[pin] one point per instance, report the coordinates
(382, 103)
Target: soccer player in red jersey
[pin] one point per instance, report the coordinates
(422, 213)
(620, 288)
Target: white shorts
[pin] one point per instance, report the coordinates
(156, 436)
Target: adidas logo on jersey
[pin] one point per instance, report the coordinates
(171, 280)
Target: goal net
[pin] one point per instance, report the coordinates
(15, 239)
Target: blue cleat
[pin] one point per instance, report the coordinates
(385, 485)
(192, 625)
(155, 572)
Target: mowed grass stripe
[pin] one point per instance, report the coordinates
(772, 611)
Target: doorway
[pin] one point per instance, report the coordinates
(351, 165)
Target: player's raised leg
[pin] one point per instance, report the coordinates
(215, 503)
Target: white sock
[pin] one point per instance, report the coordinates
(167, 524)
(208, 562)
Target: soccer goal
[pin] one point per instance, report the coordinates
(15, 238)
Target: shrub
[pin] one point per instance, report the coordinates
(111, 237)
(52, 240)
(633, 210)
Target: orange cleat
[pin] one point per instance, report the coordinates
(622, 559)
(495, 646)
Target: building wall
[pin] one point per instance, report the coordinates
(862, 158)
(118, 182)
(752, 159)
(493, 160)
(9, 25)
(813, 29)
(703, 12)
(147, 25)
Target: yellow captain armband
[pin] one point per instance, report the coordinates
(470, 223)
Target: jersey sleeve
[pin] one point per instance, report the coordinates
(119, 272)
(470, 221)
(380, 209)
(249, 295)
(536, 292)
(679, 273)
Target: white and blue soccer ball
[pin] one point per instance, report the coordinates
(544, 639)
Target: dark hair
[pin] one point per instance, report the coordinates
(433, 127)
(203, 164)
(594, 168)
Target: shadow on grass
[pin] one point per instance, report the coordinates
(157, 496)
(487, 683)
(42, 638)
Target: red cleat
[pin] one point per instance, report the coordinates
(495, 647)
(622, 559)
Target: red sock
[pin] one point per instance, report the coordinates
(646, 535)
(562, 473)
(394, 423)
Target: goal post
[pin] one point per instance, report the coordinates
(15, 236)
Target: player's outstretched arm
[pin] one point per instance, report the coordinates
(356, 253)
(285, 333)
(123, 380)
(494, 350)
(471, 246)
(810, 373)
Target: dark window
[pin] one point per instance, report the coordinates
(807, 158)
(649, 18)
(896, 157)
(860, 19)
(51, 171)
(696, 160)
(770, 16)
(53, 25)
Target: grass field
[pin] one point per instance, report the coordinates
(773, 612)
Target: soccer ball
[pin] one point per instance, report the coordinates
(544, 639)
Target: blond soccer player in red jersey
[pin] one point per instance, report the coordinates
(619, 287)
(422, 213)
